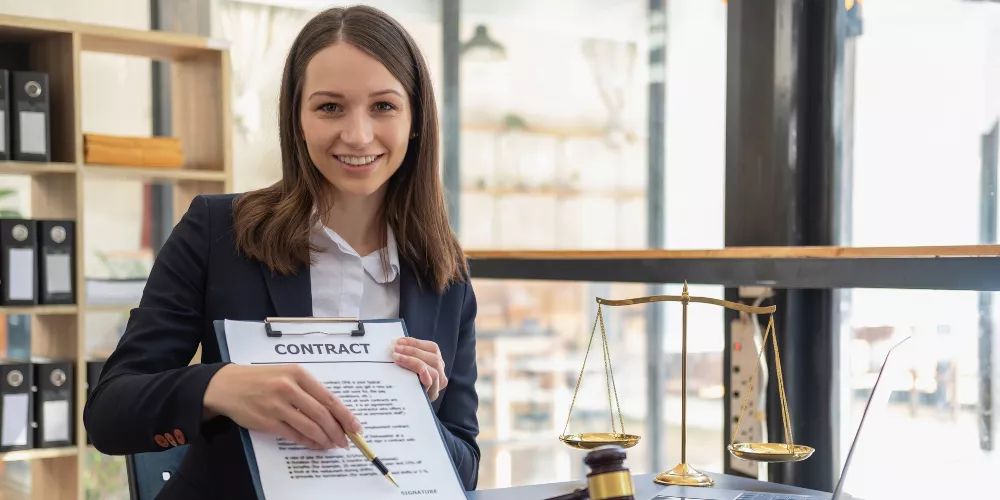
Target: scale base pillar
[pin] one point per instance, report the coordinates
(683, 475)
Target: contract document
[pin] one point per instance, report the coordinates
(397, 419)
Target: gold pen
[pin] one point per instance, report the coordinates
(370, 455)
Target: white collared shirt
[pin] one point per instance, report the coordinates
(346, 284)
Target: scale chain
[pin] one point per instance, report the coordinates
(785, 417)
(608, 374)
(786, 423)
(582, 369)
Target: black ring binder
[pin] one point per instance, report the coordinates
(272, 332)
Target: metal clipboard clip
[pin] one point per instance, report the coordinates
(272, 332)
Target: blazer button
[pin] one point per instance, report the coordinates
(162, 441)
(179, 436)
(170, 439)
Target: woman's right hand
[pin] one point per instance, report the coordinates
(281, 400)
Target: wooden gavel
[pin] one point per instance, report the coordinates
(608, 479)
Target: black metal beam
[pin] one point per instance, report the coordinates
(780, 164)
(451, 113)
(945, 273)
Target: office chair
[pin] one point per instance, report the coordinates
(148, 472)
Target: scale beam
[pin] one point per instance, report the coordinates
(681, 298)
(683, 474)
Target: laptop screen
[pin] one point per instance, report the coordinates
(864, 455)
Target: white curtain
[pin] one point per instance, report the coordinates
(612, 65)
(259, 36)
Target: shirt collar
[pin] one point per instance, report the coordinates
(371, 262)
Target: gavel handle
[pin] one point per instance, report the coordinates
(579, 494)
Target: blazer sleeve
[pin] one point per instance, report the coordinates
(148, 387)
(457, 413)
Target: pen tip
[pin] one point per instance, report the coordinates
(389, 475)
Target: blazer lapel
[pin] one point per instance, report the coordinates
(417, 307)
(291, 295)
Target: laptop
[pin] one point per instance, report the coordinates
(880, 398)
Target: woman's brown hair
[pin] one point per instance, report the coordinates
(272, 224)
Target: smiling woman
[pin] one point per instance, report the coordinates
(355, 228)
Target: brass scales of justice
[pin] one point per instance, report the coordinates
(683, 474)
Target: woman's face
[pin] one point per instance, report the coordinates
(355, 118)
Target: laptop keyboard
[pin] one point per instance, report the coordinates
(774, 496)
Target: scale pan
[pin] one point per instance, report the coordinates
(770, 452)
(591, 440)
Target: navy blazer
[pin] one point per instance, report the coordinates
(150, 398)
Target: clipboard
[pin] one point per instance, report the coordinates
(272, 331)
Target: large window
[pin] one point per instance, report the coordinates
(926, 90)
(935, 416)
(554, 127)
(555, 155)
(926, 96)
(555, 137)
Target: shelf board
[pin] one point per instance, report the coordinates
(152, 44)
(109, 39)
(40, 310)
(165, 174)
(38, 454)
(36, 168)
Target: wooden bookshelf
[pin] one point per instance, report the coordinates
(201, 120)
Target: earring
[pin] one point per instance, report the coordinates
(413, 136)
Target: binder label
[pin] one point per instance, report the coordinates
(32, 126)
(15, 420)
(55, 426)
(57, 279)
(22, 274)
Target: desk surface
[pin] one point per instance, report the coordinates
(645, 488)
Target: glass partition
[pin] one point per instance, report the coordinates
(926, 90)
(934, 418)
